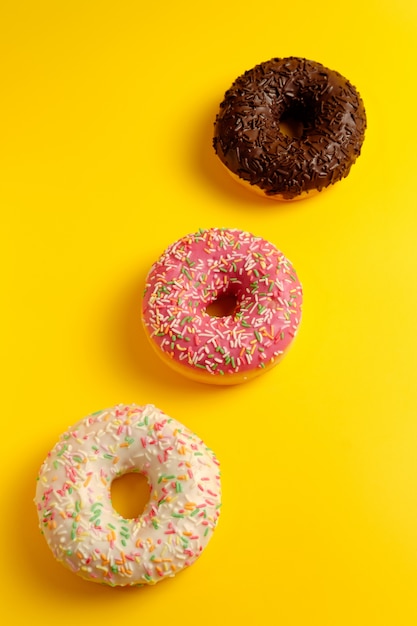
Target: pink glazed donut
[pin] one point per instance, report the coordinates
(202, 268)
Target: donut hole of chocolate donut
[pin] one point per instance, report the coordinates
(129, 494)
(295, 120)
(224, 305)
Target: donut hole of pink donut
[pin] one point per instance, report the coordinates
(224, 305)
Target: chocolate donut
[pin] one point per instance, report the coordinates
(290, 127)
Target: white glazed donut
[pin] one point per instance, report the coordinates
(73, 496)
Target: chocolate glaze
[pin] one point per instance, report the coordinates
(329, 110)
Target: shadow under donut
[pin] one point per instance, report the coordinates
(134, 355)
(207, 167)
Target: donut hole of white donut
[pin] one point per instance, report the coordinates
(130, 493)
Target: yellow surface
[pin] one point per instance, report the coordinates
(106, 115)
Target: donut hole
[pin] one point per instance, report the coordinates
(295, 120)
(130, 494)
(225, 304)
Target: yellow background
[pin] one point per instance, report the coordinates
(106, 115)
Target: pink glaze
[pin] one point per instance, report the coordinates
(192, 273)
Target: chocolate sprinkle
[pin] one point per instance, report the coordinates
(326, 109)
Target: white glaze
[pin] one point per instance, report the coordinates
(73, 496)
